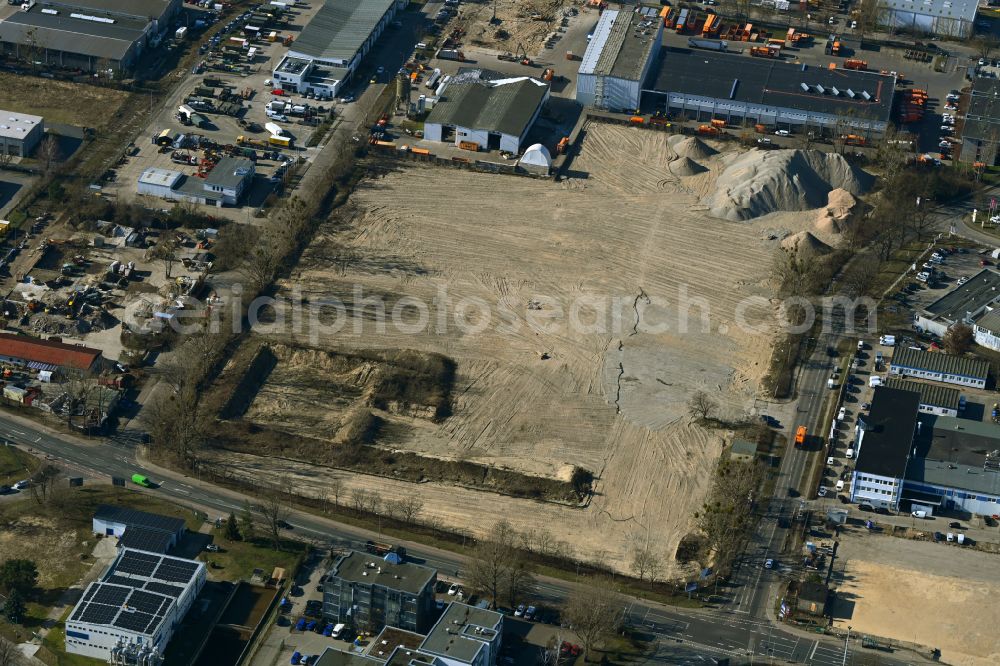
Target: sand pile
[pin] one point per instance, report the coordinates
(685, 166)
(805, 245)
(693, 148)
(760, 182)
(833, 217)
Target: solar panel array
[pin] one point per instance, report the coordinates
(175, 571)
(128, 608)
(162, 588)
(144, 538)
(137, 563)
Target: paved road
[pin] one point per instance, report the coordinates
(686, 635)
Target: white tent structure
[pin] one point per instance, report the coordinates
(536, 159)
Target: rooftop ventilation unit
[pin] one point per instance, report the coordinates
(850, 93)
(864, 93)
(804, 86)
(820, 89)
(835, 92)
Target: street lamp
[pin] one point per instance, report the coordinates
(846, 642)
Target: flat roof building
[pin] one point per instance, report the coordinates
(981, 131)
(86, 34)
(934, 399)
(495, 114)
(225, 185)
(987, 329)
(706, 85)
(20, 133)
(618, 59)
(135, 607)
(369, 593)
(882, 445)
(940, 367)
(332, 45)
(138, 529)
(962, 304)
(947, 18)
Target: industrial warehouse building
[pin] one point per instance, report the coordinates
(927, 461)
(20, 133)
(369, 593)
(939, 367)
(48, 355)
(90, 35)
(333, 44)
(947, 18)
(705, 85)
(963, 304)
(987, 330)
(934, 399)
(138, 529)
(492, 114)
(224, 185)
(135, 606)
(618, 59)
(981, 132)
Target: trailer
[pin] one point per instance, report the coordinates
(180, 33)
(708, 44)
(385, 549)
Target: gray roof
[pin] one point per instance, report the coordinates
(339, 29)
(389, 639)
(906, 358)
(990, 321)
(135, 518)
(621, 45)
(62, 33)
(334, 657)
(982, 120)
(744, 447)
(810, 591)
(357, 567)
(505, 106)
(455, 633)
(931, 395)
(948, 9)
(17, 125)
(888, 432)
(405, 657)
(952, 452)
(733, 76)
(981, 289)
(141, 9)
(229, 172)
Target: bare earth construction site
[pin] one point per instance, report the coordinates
(562, 307)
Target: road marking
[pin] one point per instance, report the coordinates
(813, 653)
(183, 492)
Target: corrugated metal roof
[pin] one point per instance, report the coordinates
(62, 33)
(990, 321)
(59, 354)
(161, 177)
(949, 9)
(905, 358)
(597, 41)
(505, 106)
(339, 29)
(932, 395)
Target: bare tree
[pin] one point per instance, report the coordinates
(646, 564)
(958, 339)
(359, 497)
(726, 518)
(78, 388)
(374, 502)
(335, 488)
(5, 159)
(702, 405)
(985, 44)
(859, 277)
(409, 509)
(872, 14)
(47, 154)
(594, 610)
(518, 581)
(275, 514)
(43, 482)
(166, 250)
(492, 560)
(177, 424)
(9, 654)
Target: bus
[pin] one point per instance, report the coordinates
(140, 480)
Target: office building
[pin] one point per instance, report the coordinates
(883, 439)
(939, 367)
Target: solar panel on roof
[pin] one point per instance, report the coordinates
(99, 613)
(122, 580)
(162, 588)
(112, 595)
(78, 613)
(90, 592)
(139, 564)
(147, 602)
(134, 620)
(175, 571)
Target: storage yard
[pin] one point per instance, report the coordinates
(543, 401)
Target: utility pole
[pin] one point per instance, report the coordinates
(846, 643)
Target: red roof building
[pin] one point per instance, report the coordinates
(47, 354)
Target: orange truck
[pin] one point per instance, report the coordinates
(711, 25)
(707, 129)
(854, 63)
(854, 140)
(764, 52)
(800, 437)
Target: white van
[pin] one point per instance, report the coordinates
(874, 381)
(887, 340)
(840, 485)
(919, 514)
(849, 454)
(338, 629)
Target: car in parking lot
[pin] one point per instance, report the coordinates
(782, 132)
(840, 485)
(830, 461)
(529, 613)
(962, 280)
(454, 589)
(769, 563)
(519, 612)
(956, 525)
(822, 491)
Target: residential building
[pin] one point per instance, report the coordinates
(225, 185)
(618, 59)
(940, 367)
(138, 529)
(981, 131)
(332, 45)
(20, 133)
(743, 450)
(487, 114)
(92, 35)
(934, 399)
(48, 355)
(963, 304)
(704, 85)
(943, 18)
(956, 466)
(369, 593)
(135, 606)
(812, 598)
(883, 439)
(987, 329)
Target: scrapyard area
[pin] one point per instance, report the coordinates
(561, 307)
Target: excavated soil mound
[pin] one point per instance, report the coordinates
(694, 148)
(760, 182)
(805, 245)
(685, 166)
(833, 218)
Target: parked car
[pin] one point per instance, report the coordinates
(782, 132)
(520, 611)
(829, 461)
(212, 548)
(454, 589)
(822, 491)
(529, 613)
(956, 525)
(769, 563)
(840, 485)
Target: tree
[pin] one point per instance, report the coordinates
(518, 581)
(18, 575)
(166, 250)
(275, 514)
(582, 480)
(176, 423)
(872, 14)
(9, 654)
(336, 489)
(726, 518)
(246, 522)
(232, 528)
(47, 154)
(958, 339)
(409, 509)
(702, 405)
(860, 275)
(78, 388)
(594, 610)
(645, 563)
(492, 560)
(359, 497)
(985, 44)
(14, 608)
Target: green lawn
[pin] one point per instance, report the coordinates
(238, 559)
(15, 465)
